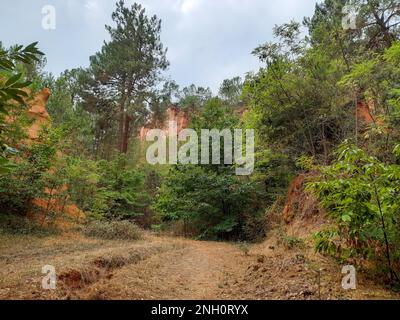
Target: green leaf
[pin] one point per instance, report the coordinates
(346, 218)
(13, 79)
(6, 165)
(6, 64)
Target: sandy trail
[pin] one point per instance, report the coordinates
(170, 268)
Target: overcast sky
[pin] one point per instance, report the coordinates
(207, 40)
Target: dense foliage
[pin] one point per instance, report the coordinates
(211, 200)
(362, 194)
(326, 100)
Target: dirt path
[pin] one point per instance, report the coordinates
(198, 271)
(212, 270)
(171, 268)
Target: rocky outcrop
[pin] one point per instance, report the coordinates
(364, 112)
(66, 212)
(302, 213)
(182, 118)
(173, 113)
(37, 111)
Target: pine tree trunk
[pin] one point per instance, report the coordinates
(126, 131)
(121, 128)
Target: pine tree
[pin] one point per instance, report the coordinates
(129, 64)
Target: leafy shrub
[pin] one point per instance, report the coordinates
(305, 163)
(216, 205)
(12, 93)
(107, 188)
(113, 230)
(254, 226)
(211, 200)
(31, 175)
(124, 189)
(361, 193)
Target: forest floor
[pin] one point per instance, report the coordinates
(171, 268)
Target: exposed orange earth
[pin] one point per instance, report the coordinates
(181, 118)
(38, 113)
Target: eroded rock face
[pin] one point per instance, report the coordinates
(299, 203)
(302, 213)
(294, 192)
(364, 112)
(180, 117)
(173, 113)
(38, 112)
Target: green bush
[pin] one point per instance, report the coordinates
(213, 205)
(30, 175)
(107, 189)
(113, 230)
(210, 200)
(361, 194)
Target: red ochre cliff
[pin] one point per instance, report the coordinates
(173, 113)
(66, 212)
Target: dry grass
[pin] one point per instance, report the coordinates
(297, 272)
(113, 230)
(74, 256)
(171, 268)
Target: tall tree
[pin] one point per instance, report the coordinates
(129, 65)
